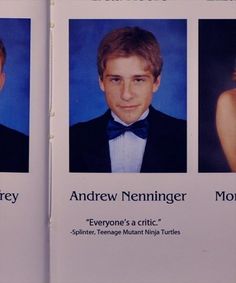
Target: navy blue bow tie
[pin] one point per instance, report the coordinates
(139, 128)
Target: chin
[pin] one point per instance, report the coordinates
(128, 118)
(130, 121)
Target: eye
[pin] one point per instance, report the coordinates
(139, 80)
(115, 80)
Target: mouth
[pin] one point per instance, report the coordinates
(128, 107)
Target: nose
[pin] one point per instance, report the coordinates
(126, 91)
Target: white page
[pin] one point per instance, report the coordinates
(24, 221)
(200, 245)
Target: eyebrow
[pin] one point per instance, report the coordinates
(141, 76)
(134, 76)
(108, 76)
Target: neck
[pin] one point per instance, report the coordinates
(117, 119)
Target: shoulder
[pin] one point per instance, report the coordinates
(225, 124)
(162, 118)
(91, 124)
(226, 112)
(227, 102)
(12, 136)
(90, 130)
(167, 129)
(14, 150)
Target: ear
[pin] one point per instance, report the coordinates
(156, 84)
(2, 80)
(101, 84)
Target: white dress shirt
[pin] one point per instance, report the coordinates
(126, 150)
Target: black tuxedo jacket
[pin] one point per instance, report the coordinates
(165, 149)
(14, 151)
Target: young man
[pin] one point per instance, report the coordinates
(131, 136)
(14, 146)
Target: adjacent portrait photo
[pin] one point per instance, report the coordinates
(217, 95)
(127, 88)
(14, 94)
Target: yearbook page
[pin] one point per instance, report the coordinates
(23, 141)
(143, 141)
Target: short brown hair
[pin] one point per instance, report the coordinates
(129, 41)
(3, 54)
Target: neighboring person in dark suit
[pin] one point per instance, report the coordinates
(131, 136)
(14, 146)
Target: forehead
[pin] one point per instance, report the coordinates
(131, 64)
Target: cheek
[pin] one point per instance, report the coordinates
(112, 93)
(146, 89)
(2, 80)
(147, 99)
(111, 99)
(146, 92)
(113, 89)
